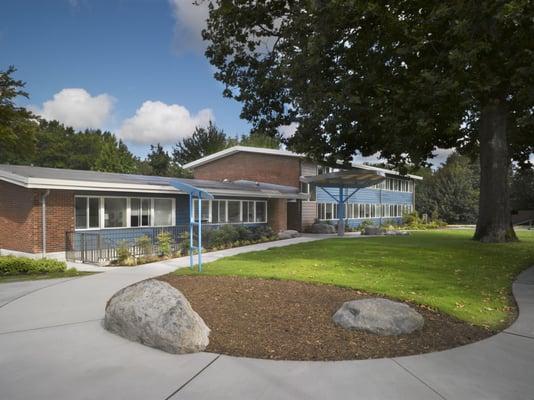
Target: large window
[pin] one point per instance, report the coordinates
(122, 212)
(163, 212)
(87, 212)
(115, 212)
(140, 212)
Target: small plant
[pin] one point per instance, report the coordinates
(145, 244)
(123, 252)
(184, 243)
(164, 243)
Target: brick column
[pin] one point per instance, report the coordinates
(277, 214)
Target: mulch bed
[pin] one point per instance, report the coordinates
(287, 320)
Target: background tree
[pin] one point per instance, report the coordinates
(452, 192)
(203, 142)
(115, 157)
(257, 139)
(400, 78)
(522, 192)
(160, 163)
(17, 127)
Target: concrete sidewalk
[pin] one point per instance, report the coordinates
(52, 345)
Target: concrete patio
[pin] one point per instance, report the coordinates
(52, 345)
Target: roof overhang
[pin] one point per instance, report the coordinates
(172, 187)
(353, 179)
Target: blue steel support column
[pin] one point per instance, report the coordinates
(191, 221)
(341, 213)
(199, 232)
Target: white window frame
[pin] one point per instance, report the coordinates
(226, 201)
(101, 216)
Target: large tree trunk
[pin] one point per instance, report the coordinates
(494, 221)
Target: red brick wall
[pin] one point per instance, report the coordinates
(277, 214)
(59, 219)
(281, 170)
(17, 219)
(20, 218)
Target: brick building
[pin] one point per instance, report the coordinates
(46, 210)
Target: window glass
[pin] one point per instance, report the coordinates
(94, 212)
(114, 212)
(261, 215)
(81, 212)
(163, 212)
(328, 211)
(145, 212)
(250, 215)
(215, 211)
(304, 187)
(135, 212)
(233, 211)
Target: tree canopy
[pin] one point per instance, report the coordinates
(399, 78)
(203, 142)
(451, 192)
(17, 125)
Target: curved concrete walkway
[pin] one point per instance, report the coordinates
(52, 346)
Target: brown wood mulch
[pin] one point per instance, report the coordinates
(287, 320)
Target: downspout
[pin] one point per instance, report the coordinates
(43, 220)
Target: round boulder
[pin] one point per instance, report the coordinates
(319, 227)
(381, 316)
(156, 314)
(288, 234)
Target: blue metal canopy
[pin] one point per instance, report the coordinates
(355, 179)
(199, 194)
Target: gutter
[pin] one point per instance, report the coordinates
(43, 220)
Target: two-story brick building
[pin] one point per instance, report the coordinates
(383, 202)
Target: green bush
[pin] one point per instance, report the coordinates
(145, 244)
(11, 265)
(164, 242)
(123, 252)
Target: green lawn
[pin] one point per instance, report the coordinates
(443, 269)
(52, 275)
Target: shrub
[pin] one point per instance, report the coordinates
(11, 265)
(366, 223)
(123, 252)
(164, 242)
(145, 244)
(184, 243)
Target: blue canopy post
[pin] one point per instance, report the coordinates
(200, 194)
(341, 213)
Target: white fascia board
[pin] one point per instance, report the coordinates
(387, 171)
(263, 195)
(13, 178)
(237, 149)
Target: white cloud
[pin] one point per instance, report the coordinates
(157, 122)
(77, 108)
(288, 131)
(190, 20)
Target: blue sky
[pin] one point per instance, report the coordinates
(96, 63)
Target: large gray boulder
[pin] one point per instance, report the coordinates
(381, 316)
(288, 234)
(320, 227)
(156, 314)
(373, 230)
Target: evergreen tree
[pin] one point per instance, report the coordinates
(17, 127)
